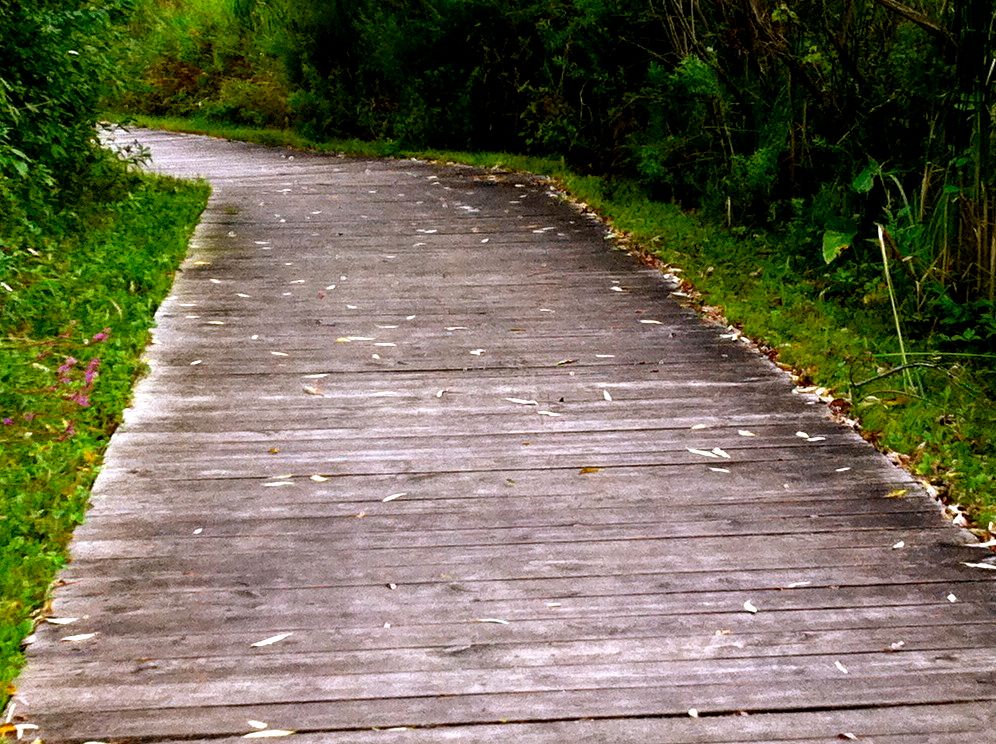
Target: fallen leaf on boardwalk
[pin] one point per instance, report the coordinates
(257, 724)
(549, 413)
(703, 453)
(898, 545)
(564, 362)
(477, 352)
(896, 494)
(719, 470)
(522, 401)
(589, 469)
(495, 620)
(952, 598)
(987, 543)
(318, 478)
(394, 496)
(271, 640)
(988, 566)
(696, 427)
(720, 453)
(274, 450)
(650, 322)
(311, 390)
(746, 433)
(78, 638)
(268, 734)
(848, 736)
(841, 667)
(749, 607)
(61, 620)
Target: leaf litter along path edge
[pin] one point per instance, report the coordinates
(410, 455)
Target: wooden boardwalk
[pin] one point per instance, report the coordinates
(477, 477)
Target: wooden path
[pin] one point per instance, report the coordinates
(477, 477)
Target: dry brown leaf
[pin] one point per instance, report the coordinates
(589, 469)
(897, 493)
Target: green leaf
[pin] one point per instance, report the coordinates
(835, 242)
(864, 181)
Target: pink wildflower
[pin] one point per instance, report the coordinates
(81, 399)
(8, 421)
(91, 371)
(102, 336)
(67, 365)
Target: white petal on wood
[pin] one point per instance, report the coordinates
(696, 427)
(952, 598)
(549, 413)
(802, 435)
(311, 390)
(494, 620)
(271, 640)
(605, 394)
(746, 433)
(650, 322)
(987, 566)
(61, 620)
(703, 453)
(318, 478)
(268, 734)
(749, 607)
(522, 401)
(477, 352)
(257, 724)
(78, 638)
(898, 545)
(720, 453)
(277, 484)
(394, 496)
(841, 667)
(719, 470)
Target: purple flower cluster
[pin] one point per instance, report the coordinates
(74, 383)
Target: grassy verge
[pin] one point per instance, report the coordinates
(74, 318)
(944, 428)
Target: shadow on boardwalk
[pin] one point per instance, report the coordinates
(420, 452)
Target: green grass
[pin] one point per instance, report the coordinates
(945, 431)
(104, 267)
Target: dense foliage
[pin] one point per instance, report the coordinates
(825, 116)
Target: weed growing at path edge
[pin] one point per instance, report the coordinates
(74, 317)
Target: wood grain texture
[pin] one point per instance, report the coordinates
(411, 422)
